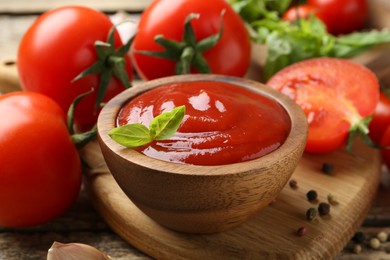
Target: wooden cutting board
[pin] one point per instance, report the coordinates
(271, 234)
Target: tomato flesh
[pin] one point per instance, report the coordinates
(223, 123)
(334, 94)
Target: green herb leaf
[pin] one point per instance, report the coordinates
(165, 125)
(253, 10)
(132, 135)
(291, 42)
(111, 62)
(162, 127)
(360, 128)
(355, 43)
(79, 139)
(188, 52)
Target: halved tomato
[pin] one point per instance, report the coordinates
(337, 96)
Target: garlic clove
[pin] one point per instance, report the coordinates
(74, 251)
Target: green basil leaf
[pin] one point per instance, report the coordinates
(132, 135)
(253, 10)
(165, 125)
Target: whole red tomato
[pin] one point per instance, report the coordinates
(40, 170)
(299, 11)
(230, 56)
(336, 95)
(381, 118)
(56, 48)
(341, 16)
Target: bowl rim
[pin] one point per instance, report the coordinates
(107, 120)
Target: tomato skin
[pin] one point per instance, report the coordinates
(299, 11)
(341, 17)
(385, 142)
(40, 170)
(381, 118)
(332, 95)
(56, 48)
(231, 55)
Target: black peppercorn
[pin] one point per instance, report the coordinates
(311, 195)
(359, 237)
(327, 168)
(323, 208)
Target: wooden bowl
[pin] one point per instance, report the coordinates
(201, 199)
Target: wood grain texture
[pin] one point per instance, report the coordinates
(80, 224)
(21, 7)
(9, 78)
(83, 224)
(271, 233)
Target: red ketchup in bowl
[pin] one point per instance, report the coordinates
(223, 124)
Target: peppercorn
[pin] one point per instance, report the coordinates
(301, 231)
(327, 168)
(323, 208)
(311, 195)
(382, 236)
(332, 201)
(375, 243)
(311, 213)
(357, 248)
(359, 237)
(293, 184)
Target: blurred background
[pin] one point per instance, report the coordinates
(17, 15)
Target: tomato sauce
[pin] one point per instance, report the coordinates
(223, 124)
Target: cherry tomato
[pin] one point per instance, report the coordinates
(298, 11)
(335, 94)
(381, 118)
(230, 56)
(40, 170)
(56, 48)
(341, 16)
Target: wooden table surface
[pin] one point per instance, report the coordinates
(82, 223)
